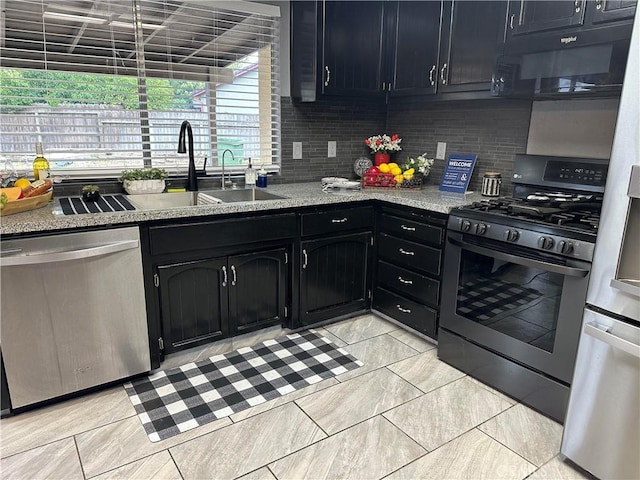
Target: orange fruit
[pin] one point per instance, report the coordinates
(22, 183)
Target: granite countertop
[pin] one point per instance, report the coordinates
(298, 195)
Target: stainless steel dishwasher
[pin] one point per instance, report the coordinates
(73, 312)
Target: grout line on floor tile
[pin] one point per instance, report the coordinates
(40, 445)
(75, 444)
(175, 463)
(314, 422)
(272, 472)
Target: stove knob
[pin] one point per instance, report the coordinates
(511, 235)
(465, 226)
(546, 243)
(566, 247)
(481, 229)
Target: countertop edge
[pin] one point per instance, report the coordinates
(298, 195)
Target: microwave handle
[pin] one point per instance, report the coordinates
(507, 257)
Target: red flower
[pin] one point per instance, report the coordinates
(378, 142)
(367, 142)
(395, 137)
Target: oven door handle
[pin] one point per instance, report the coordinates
(529, 262)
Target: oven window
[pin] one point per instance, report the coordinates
(516, 300)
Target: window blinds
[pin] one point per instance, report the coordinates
(105, 84)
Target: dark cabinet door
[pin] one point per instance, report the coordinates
(471, 40)
(612, 10)
(352, 36)
(333, 279)
(417, 47)
(538, 15)
(193, 303)
(257, 289)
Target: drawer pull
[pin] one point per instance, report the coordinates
(408, 229)
(406, 252)
(339, 220)
(403, 310)
(406, 282)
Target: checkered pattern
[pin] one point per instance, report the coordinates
(176, 400)
(485, 298)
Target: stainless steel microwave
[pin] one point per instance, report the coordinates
(581, 63)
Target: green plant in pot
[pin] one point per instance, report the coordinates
(143, 180)
(91, 193)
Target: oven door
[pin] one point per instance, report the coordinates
(521, 304)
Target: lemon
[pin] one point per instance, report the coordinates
(396, 170)
(407, 175)
(393, 165)
(384, 167)
(411, 171)
(399, 178)
(22, 183)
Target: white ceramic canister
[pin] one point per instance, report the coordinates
(491, 182)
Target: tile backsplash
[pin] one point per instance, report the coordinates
(494, 129)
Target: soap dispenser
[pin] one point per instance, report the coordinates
(262, 177)
(249, 176)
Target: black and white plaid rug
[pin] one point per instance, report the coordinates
(485, 298)
(176, 400)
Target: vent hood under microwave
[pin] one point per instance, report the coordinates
(554, 65)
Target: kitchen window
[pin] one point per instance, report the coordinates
(105, 84)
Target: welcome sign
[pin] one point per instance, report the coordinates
(457, 173)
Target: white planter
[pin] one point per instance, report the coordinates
(136, 187)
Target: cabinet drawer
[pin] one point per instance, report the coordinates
(333, 221)
(416, 231)
(221, 233)
(409, 284)
(412, 314)
(415, 256)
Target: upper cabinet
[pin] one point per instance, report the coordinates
(351, 55)
(394, 47)
(533, 16)
(337, 48)
(529, 16)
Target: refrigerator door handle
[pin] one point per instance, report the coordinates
(594, 330)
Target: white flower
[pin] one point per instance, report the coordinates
(421, 164)
(384, 143)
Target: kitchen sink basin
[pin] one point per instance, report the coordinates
(243, 195)
(161, 201)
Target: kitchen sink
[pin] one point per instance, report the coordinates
(161, 201)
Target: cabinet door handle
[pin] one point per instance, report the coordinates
(403, 310)
(431, 72)
(224, 276)
(408, 229)
(511, 21)
(406, 282)
(389, 86)
(234, 278)
(599, 4)
(306, 259)
(578, 5)
(339, 220)
(443, 75)
(384, 86)
(406, 252)
(328, 77)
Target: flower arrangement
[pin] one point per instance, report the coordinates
(384, 143)
(420, 164)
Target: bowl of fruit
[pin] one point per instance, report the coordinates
(25, 195)
(391, 175)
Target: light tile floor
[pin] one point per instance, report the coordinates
(403, 415)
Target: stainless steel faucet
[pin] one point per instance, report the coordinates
(192, 178)
(222, 160)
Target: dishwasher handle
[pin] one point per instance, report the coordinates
(596, 331)
(69, 255)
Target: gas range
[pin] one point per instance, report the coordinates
(555, 207)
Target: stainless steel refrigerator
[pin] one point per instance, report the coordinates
(602, 428)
